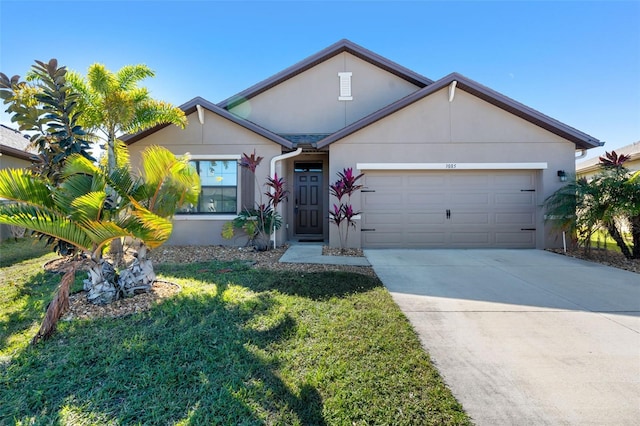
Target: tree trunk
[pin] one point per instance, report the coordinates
(635, 235)
(101, 285)
(139, 276)
(58, 305)
(617, 237)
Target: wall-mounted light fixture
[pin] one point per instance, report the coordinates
(562, 175)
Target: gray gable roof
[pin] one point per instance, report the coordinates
(15, 144)
(426, 87)
(190, 107)
(343, 45)
(582, 140)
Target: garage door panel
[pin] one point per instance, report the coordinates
(469, 198)
(466, 180)
(471, 218)
(384, 181)
(387, 219)
(420, 218)
(526, 219)
(487, 209)
(523, 198)
(518, 180)
(425, 181)
(515, 239)
(437, 238)
(381, 201)
(470, 238)
(422, 200)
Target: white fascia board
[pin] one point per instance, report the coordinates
(451, 166)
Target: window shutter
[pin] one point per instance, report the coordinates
(345, 86)
(247, 197)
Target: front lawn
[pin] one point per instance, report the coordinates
(237, 345)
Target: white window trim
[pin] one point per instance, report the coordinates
(222, 216)
(452, 166)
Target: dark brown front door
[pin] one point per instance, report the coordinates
(308, 198)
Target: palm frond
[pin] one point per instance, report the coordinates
(71, 188)
(23, 186)
(46, 222)
(88, 207)
(129, 75)
(152, 113)
(100, 79)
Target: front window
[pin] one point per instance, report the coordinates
(219, 191)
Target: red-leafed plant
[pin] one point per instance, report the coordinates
(613, 160)
(260, 222)
(346, 185)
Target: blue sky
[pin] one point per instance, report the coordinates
(576, 61)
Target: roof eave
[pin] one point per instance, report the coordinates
(582, 140)
(191, 106)
(16, 153)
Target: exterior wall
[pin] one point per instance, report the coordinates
(308, 102)
(467, 130)
(217, 136)
(9, 162)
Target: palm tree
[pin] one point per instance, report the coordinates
(609, 198)
(113, 104)
(77, 211)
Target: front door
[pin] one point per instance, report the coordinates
(308, 208)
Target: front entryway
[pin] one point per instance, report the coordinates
(308, 191)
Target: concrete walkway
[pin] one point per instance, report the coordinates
(312, 253)
(524, 337)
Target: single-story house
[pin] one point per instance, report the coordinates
(15, 153)
(446, 163)
(591, 166)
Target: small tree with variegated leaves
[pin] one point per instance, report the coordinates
(343, 213)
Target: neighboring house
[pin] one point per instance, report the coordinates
(15, 153)
(590, 167)
(447, 163)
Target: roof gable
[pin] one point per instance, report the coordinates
(582, 140)
(323, 55)
(191, 106)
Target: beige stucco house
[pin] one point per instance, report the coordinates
(15, 153)
(447, 163)
(591, 166)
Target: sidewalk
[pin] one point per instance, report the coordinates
(312, 253)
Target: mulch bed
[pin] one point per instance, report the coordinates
(81, 309)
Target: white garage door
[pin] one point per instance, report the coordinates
(449, 209)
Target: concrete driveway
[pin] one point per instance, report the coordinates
(524, 337)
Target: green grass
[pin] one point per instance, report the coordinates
(602, 240)
(235, 346)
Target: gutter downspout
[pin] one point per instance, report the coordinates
(272, 173)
